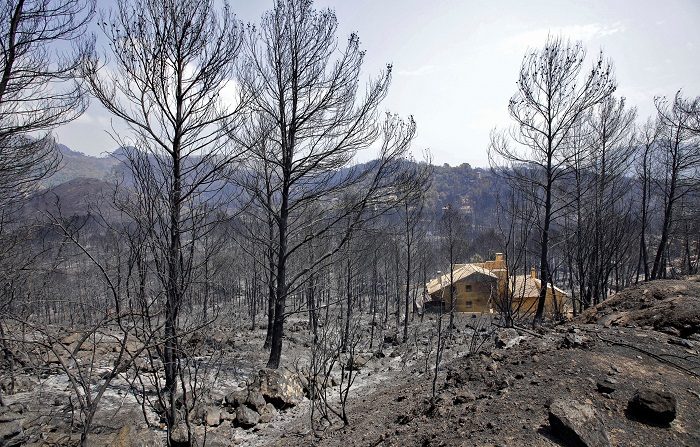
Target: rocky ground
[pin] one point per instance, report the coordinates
(625, 373)
(616, 383)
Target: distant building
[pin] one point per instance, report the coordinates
(484, 286)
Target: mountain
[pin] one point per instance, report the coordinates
(78, 165)
(75, 197)
(473, 191)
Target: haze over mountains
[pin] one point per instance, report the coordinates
(82, 176)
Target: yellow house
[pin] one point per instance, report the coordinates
(474, 287)
(487, 287)
(525, 293)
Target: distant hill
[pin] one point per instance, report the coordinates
(78, 165)
(75, 197)
(473, 191)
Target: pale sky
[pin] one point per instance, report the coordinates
(456, 62)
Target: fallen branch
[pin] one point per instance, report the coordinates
(650, 354)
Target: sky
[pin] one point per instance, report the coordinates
(455, 63)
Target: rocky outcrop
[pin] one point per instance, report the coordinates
(671, 306)
(259, 402)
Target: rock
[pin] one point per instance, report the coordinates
(73, 338)
(358, 361)
(212, 416)
(228, 415)
(299, 326)
(179, 434)
(501, 383)
(255, 400)
(11, 433)
(391, 338)
(464, 397)
(20, 384)
(281, 388)
(251, 397)
(577, 424)
(653, 407)
(235, 398)
(130, 436)
(572, 340)
(9, 416)
(507, 338)
(607, 385)
(246, 417)
(268, 413)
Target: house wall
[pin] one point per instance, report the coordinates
(470, 295)
(529, 303)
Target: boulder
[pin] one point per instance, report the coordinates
(251, 397)
(280, 387)
(212, 416)
(11, 433)
(235, 398)
(358, 361)
(268, 413)
(607, 385)
(391, 338)
(507, 338)
(129, 436)
(246, 417)
(255, 400)
(577, 424)
(653, 407)
(179, 434)
(75, 337)
(228, 415)
(573, 340)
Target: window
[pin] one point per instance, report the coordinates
(468, 287)
(468, 303)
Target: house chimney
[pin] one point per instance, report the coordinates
(533, 273)
(499, 257)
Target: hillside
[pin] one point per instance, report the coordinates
(74, 197)
(473, 191)
(76, 164)
(571, 385)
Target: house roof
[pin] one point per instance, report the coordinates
(461, 272)
(527, 287)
